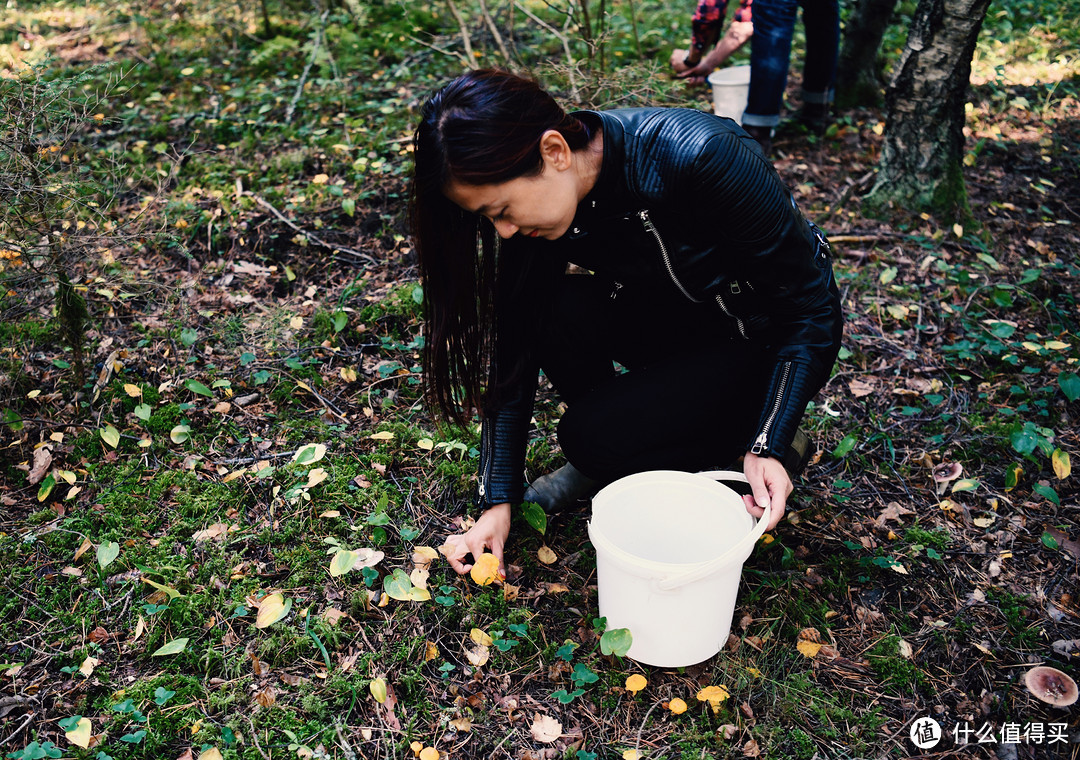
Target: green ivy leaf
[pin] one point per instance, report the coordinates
(341, 319)
(142, 411)
(196, 387)
(535, 516)
(1047, 493)
(188, 336)
(176, 646)
(616, 641)
(107, 552)
(1070, 385)
(110, 435)
(845, 446)
(163, 695)
(180, 433)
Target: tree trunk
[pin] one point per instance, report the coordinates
(921, 157)
(859, 79)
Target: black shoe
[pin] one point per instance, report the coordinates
(815, 117)
(561, 489)
(798, 454)
(762, 134)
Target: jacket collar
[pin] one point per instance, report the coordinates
(609, 193)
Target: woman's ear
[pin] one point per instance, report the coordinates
(555, 150)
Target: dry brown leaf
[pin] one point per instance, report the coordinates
(727, 730)
(893, 511)
(545, 729)
(431, 652)
(464, 725)
(333, 615)
(546, 555)
(43, 460)
(750, 749)
(84, 547)
(478, 655)
(510, 592)
(214, 532)
(860, 388)
(267, 697)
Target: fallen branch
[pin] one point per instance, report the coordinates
(310, 236)
(465, 39)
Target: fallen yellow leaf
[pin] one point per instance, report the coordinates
(631, 754)
(431, 652)
(88, 666)
(479, 637)
(809, 648)
(486, 569)
(636, 683)
(80, 735)
(322, 179)
(545, 555)
(272, 609)
(132, 390)
(211, 754)
(377, 687)
(677, 706)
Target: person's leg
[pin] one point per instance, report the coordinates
(770, 52)
(686, 412)
(821, 19)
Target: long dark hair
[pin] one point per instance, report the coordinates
(483, 128)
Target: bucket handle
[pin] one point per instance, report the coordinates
(710, 567)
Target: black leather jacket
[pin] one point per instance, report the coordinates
(685, 198)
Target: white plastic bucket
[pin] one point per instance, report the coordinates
(670, 547)
(730, 89)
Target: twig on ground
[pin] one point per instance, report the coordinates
(255, 737)
(311, 60)
(465, 38)
(335, 249)
(17, 731)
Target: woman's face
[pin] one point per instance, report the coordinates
(542, 205)
(539, 206)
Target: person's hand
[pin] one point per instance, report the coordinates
(770, 484)
(490, 531)
(678, 60)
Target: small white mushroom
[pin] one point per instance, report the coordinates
(1051, 686)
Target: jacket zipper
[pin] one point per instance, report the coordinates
(763, 438)
(738, 321)
(485, 446)
(651, 229)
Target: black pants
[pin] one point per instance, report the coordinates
(692, 392)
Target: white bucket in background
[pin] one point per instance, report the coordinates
(670, 547)
(730, 90)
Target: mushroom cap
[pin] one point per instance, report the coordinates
(947, 471)
(1051, 686)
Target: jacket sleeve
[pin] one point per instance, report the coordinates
(771, 244)
(524, 279)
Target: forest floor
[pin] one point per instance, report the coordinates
(224, 543)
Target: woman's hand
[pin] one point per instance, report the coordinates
(770, 484)
(490, 531)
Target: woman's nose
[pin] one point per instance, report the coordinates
(504, 228)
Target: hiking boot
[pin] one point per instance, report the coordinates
(763, 135)
(798, 454)
(561, 489)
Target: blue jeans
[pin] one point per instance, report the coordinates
(770, 55)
